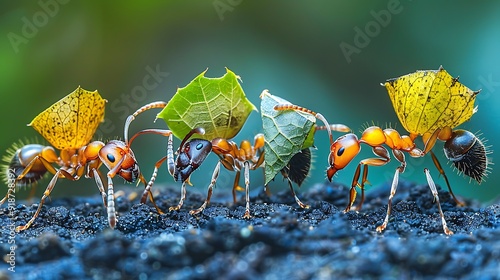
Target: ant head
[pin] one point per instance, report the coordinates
(192, 153)
(468, 154)
(116, 154)
(191, 156)
(342, 151)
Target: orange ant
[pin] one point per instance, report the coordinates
(192, 153)
(78, 156)
(463, 148)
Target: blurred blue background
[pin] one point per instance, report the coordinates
(329, 56)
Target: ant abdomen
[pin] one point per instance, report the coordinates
(468, 154)
(20, 159)
(299, 166)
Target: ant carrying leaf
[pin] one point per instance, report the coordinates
(215, 109)
(69, 125)
(289, 135)
(429, 104)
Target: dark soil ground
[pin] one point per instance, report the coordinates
(71, 238)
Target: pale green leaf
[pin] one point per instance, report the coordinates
(285, 133)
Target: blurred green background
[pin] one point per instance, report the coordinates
(291, 48)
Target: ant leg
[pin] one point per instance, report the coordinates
(100, 186)
(247, 190)
(432, 186)
(45, 163)
(441, 171)
(151, 197)
(300, 203)
(111, 204)
(111, 197)
(147, 189)
(183, 197)
(260, 161)
(149, 193)
(352, 191)
(362, 187)
(401, 158)
(394, 187)
(170, 156)
(215, 175)
(381, 160)
(171, 168)
(236, 186)
(47, 192)
(430, 140)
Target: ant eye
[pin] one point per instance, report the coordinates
(199, 146)
(340, 151)
(111, 157)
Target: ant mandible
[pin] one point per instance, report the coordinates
(78, 156)
(192, 153)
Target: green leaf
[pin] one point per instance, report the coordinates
(218, 105)
(285, 133)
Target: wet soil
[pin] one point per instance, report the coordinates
(71, 238)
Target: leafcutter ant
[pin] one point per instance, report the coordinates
(418, 101)
(192, 153)
(68, 125)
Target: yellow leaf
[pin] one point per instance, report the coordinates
(427, 100)
(71, 122)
